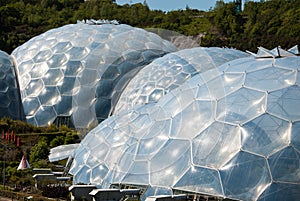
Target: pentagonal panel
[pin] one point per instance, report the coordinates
(84, 178)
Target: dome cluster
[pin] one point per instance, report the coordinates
(231, 132)
(212, 121)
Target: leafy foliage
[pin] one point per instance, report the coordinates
(39, 151)
(35, 144)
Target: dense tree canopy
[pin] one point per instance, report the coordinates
(265, 23)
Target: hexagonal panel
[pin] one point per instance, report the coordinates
(255, 177)
(202, 180)
(284, 103)
(57, 60)
(42, 56)
(53, 77)
(78, 53)
(241, 106)
(38, 70)
(271, 78)
(216, 145)
(45, 115)
(284, 165)
(34, 88)
(49, 96)
(62, 47)
(31, 105)
(4, 87)
(73, 68)
(265, 135)
(171, 162)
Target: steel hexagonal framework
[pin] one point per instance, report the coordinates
(237, 140)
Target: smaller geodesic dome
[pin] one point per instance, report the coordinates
(231, 132)
(180, 41)
(10, 101)
(68, 75)
(170, 71)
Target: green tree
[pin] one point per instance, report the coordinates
(59, 140)
(39, 151)
(71, 138)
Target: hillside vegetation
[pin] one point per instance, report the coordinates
(266, 23)
(34, 143)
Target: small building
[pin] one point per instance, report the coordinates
(81, 192)
(44, 179)
(114, 194)
(45, 176)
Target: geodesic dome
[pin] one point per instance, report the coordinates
(68, 75)
(231, 132)
(10, 101)
(170, 71)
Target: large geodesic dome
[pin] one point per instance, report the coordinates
(232, 132)
(68, 75)
(170, 71)
(10, 101)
